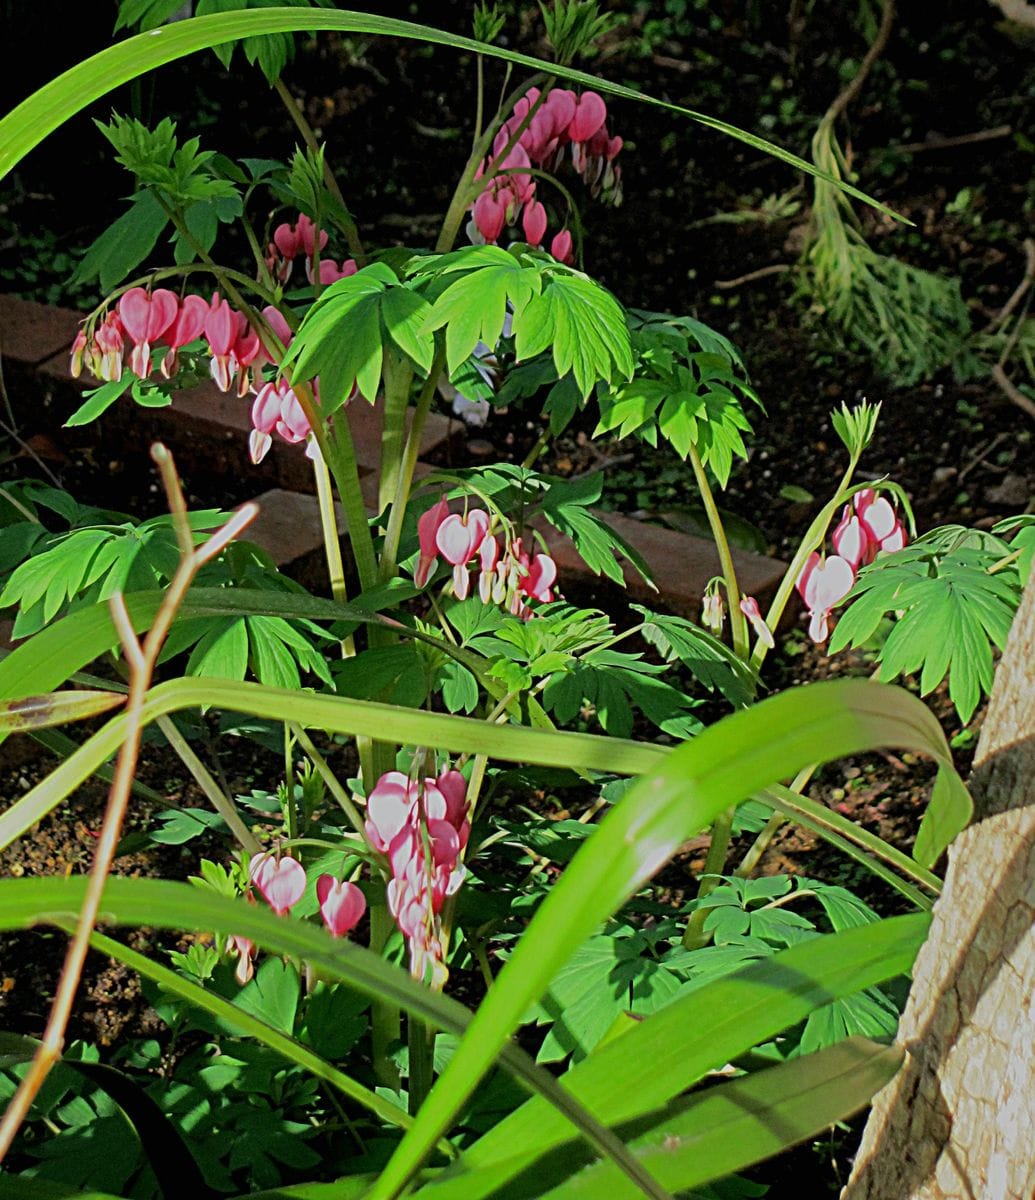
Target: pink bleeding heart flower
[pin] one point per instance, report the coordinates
(427, 532)
(453, 787)
(245, 950)
(330, 272)
(713, 612)
(749, 607)
(822, 585)
(490, 215)
(533, 222)
(342, 904)
(390, 806)
(221, 333)
(108, 339)
(280, 881)
(307, 235)
(851, 539)
(561, 247)
(896, 539)
(287, 240)
(276, 410)
(590, 114)
(78, 350)
(145, 317)
(561, 106)
(187, 327)
(458, 539)
(539, 578)
(488, 558)
(275, 320)
(878, 517)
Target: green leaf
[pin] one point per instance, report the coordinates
(40, 712)
(223, 652)
(50, 106)
(99, 400)
(473, 307)
(950, 612)
(710, 661)
(340, 337)
(581, 323)
(272, 995)
(740, 1123)
(25, 902)
(123, 246)
(673, 1049)
(728, 762)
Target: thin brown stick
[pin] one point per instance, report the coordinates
(854, 86)
(962, 139)
(1011, 391)
(1018, 292)
(751, 276)
(142, 659)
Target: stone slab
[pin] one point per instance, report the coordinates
(289, 528)
(680, 563)
(31, 332)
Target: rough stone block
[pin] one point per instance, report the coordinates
(32, 333)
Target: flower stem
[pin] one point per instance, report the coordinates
(738, 623)
(694, 936)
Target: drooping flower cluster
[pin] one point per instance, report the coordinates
(507, 574)
(144, 319)
(281, 881)
(159, 318)
(563, 120)
(302, 240)
(422, 826)
(868, 525)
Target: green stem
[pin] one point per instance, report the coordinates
(462, 196)
(329, 529)
(694, 936)
(404, 476)
(202, 777)
(290, 811)
(344, 219)
(385, 1025)
(422, 1075)
(768, 832)
(341, 458)
(738, 622)
(330, 779)
(397, 375)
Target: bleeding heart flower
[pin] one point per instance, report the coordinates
(281, 882)
(561, 247)
(534, 222)
(427, 532)
(590, 115)
(825, 584)
(145, 317)
(749, 607)
(342, 905)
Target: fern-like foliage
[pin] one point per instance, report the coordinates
(910, 322)
(954, 593)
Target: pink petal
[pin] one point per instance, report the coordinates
(281, 882)
(489, 215)
(829, 582)
(453, 787)
(878, 518)
(590, 114)
(560, 247)
(534, 223)
(341, 904)
(851, 541)
(162, 313)
(806, 572)
(390, 806)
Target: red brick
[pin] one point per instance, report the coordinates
(31, 332)
(681, 564)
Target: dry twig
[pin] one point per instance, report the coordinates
(141, 657)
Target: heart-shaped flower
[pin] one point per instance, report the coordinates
(341, 904)
(281, 881)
